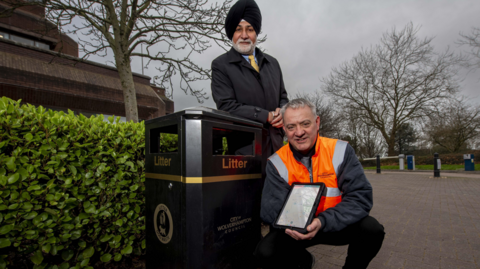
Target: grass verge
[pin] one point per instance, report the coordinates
(426, 167)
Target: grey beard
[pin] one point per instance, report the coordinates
(245, 51)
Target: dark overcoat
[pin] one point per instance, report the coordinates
(239, 89)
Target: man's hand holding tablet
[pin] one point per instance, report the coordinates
(312, 229)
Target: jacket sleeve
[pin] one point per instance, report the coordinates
(224, 96)
(275, 191)
(357, 197)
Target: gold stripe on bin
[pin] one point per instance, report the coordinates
(202, 179)
(164, 177)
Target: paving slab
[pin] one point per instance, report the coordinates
(429, 222)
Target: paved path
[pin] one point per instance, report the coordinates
(429, 223)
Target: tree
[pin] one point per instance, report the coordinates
(330, 119)
(401, 79)
(162, 27)
(453, 126)
(364, 139)
(473, 41)
(405, 139)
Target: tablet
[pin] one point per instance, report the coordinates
(300, 206)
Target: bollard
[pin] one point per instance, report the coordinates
(436, 168)
(378, 164)
(401, 161)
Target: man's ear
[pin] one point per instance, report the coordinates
(317, 122)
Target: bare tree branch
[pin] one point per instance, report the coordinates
(454, 125)
(472, 40)
(400, 80)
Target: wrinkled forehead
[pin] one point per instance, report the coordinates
(298, 115)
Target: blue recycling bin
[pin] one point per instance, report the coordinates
(469, 162)
(410, 162)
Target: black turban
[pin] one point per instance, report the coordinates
(243, 9)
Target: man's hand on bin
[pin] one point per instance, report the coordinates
(312, 231)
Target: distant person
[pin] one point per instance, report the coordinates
(247, 82)
(342, 216)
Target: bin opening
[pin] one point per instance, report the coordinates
(164, 139)
(232, 142)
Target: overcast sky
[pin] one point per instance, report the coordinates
(309, 38)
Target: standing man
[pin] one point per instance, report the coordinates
(245, 81)
(342, 216)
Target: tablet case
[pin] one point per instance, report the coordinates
(321, 192)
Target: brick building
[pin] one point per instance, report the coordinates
(40, 65)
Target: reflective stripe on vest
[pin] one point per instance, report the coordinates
(281, 167)
(337, 153)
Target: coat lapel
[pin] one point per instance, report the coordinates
(236, 58)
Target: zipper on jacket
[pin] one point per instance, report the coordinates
(309, 172)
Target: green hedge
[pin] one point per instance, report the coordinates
(451, 158)
(71, 188)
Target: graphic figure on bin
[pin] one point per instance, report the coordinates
(162, 224)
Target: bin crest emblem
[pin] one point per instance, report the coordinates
(163, 223)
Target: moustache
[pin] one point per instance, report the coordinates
(244, 40)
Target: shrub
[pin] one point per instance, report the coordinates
(71, 188)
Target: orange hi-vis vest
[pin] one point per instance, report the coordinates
(329, 154)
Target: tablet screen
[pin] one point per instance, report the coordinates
(300, 204)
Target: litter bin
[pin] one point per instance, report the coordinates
(410, 162)
(469, 162)
(202, 198)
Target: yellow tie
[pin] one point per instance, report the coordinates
(253, 63)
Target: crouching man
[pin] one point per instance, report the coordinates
(343, 215)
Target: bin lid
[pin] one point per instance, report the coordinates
(207, 112)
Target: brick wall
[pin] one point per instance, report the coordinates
(55, 58)
(40, 78)
(169, 105)
(44, 77)
(49, 98)
(35, 10)
(32, 24)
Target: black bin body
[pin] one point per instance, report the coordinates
(202, 201)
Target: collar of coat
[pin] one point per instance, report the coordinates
(235, 57)
(298, 156)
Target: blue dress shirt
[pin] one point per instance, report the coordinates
(248, 60)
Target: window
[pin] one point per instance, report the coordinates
(22, 40)
(164, 139)
(232, 142)
(4, 35)
(42, 45)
